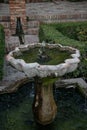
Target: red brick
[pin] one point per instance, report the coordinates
(17, 9)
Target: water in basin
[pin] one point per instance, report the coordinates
(55, 56)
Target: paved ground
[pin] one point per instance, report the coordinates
(12, 42)
(56, 8)
(49, 8)
(10, 75)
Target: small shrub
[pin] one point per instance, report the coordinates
(81, 33)
(77, 31)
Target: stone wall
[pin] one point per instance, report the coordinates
(17, 9)
(27, 1)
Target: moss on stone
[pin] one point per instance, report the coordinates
(55, 56)
(49, 80)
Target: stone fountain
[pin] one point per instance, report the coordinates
(44, 106)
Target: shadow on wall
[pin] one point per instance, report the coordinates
(4, 1)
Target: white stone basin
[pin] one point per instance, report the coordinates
(44, 106)
(35, 69)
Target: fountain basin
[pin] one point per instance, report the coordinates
(36, 69)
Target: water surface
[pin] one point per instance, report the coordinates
(16, 110)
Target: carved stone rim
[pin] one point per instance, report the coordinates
(35, 69)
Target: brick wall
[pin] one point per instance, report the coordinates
(27, 1)
(17, 9)
(34, 1)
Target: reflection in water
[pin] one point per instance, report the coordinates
(16, 110)
(47, 127)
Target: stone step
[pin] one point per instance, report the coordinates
(59, 17)
(31, 39)
(63, 20)
(12, 42)
(33, 24)
(33, 31)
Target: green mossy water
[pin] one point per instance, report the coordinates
(55, 56)
(16, 111)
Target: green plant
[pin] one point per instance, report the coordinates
(2, 50)
(76, 31)
(81, 33)
(60, 34)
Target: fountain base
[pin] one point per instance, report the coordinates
(44, 106)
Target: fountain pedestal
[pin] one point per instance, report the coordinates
(44, 106)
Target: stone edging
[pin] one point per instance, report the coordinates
(35, 69)
(14, 85)
(81, 84)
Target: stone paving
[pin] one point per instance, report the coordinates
(12, 42)
(11, 79)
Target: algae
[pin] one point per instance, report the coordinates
(56, 56)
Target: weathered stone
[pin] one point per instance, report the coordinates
(44, 106)
(81, 84)
(35, 69)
